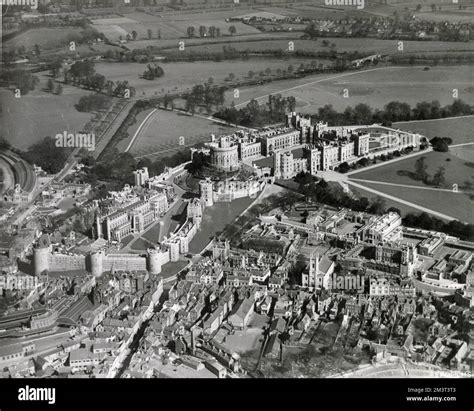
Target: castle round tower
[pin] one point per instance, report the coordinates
(153, 261)
(41, 255)
(97, 263)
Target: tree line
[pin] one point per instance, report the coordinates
(83, 73)
(256, 115)
(392, 112)
(206, 95)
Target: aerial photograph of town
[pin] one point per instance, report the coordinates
(237, 189)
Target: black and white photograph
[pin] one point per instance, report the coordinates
(219, 200)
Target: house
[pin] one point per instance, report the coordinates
(241, 316)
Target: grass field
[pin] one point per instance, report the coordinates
(375, 87)
(457, 205)
(367, 46)
(404, 209)
(182, 76)
(160, 135)
(214, 220)
(173, 44)
(459, 129)
(46, 38)
(38, 114)
(457, 170)
(170, 26)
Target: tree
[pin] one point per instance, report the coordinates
(378, 206)
(251, 74)
(191, 31)
(344, 167)
(150, 34)
(202, 31)
(420, 169)
(167, 100)
(212, 31)
(441, 144)
(153, 71)
(50, 85)
(134, 35)
(59, 89)
(439, 177)
(232, 30)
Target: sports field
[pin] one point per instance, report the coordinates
(376, 87)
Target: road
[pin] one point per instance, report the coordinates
(346, 179)
(399, 200)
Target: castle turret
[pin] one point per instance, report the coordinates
(153, 261)
(97, 263)
(205, 191)
(41, 255)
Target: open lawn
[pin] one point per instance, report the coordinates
(46, 38)
(219, 42)
(366, 46)
(214, 220)
(404, 209)
(457, 205)
(376, 87)
(160, 136)
(153, 234)
(38, 114)
(459, 129)
(402, 172)
(244, 341)
(183, 76)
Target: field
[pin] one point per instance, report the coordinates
(215, 219)
(46, 38)
(459, 129)
(38, 114)
(179, 77)
(457, 205)
(367, 46)
(375, 87)
(218, 42)
(457, 170)
(170, 26)
(160, 135)
(404, 209)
